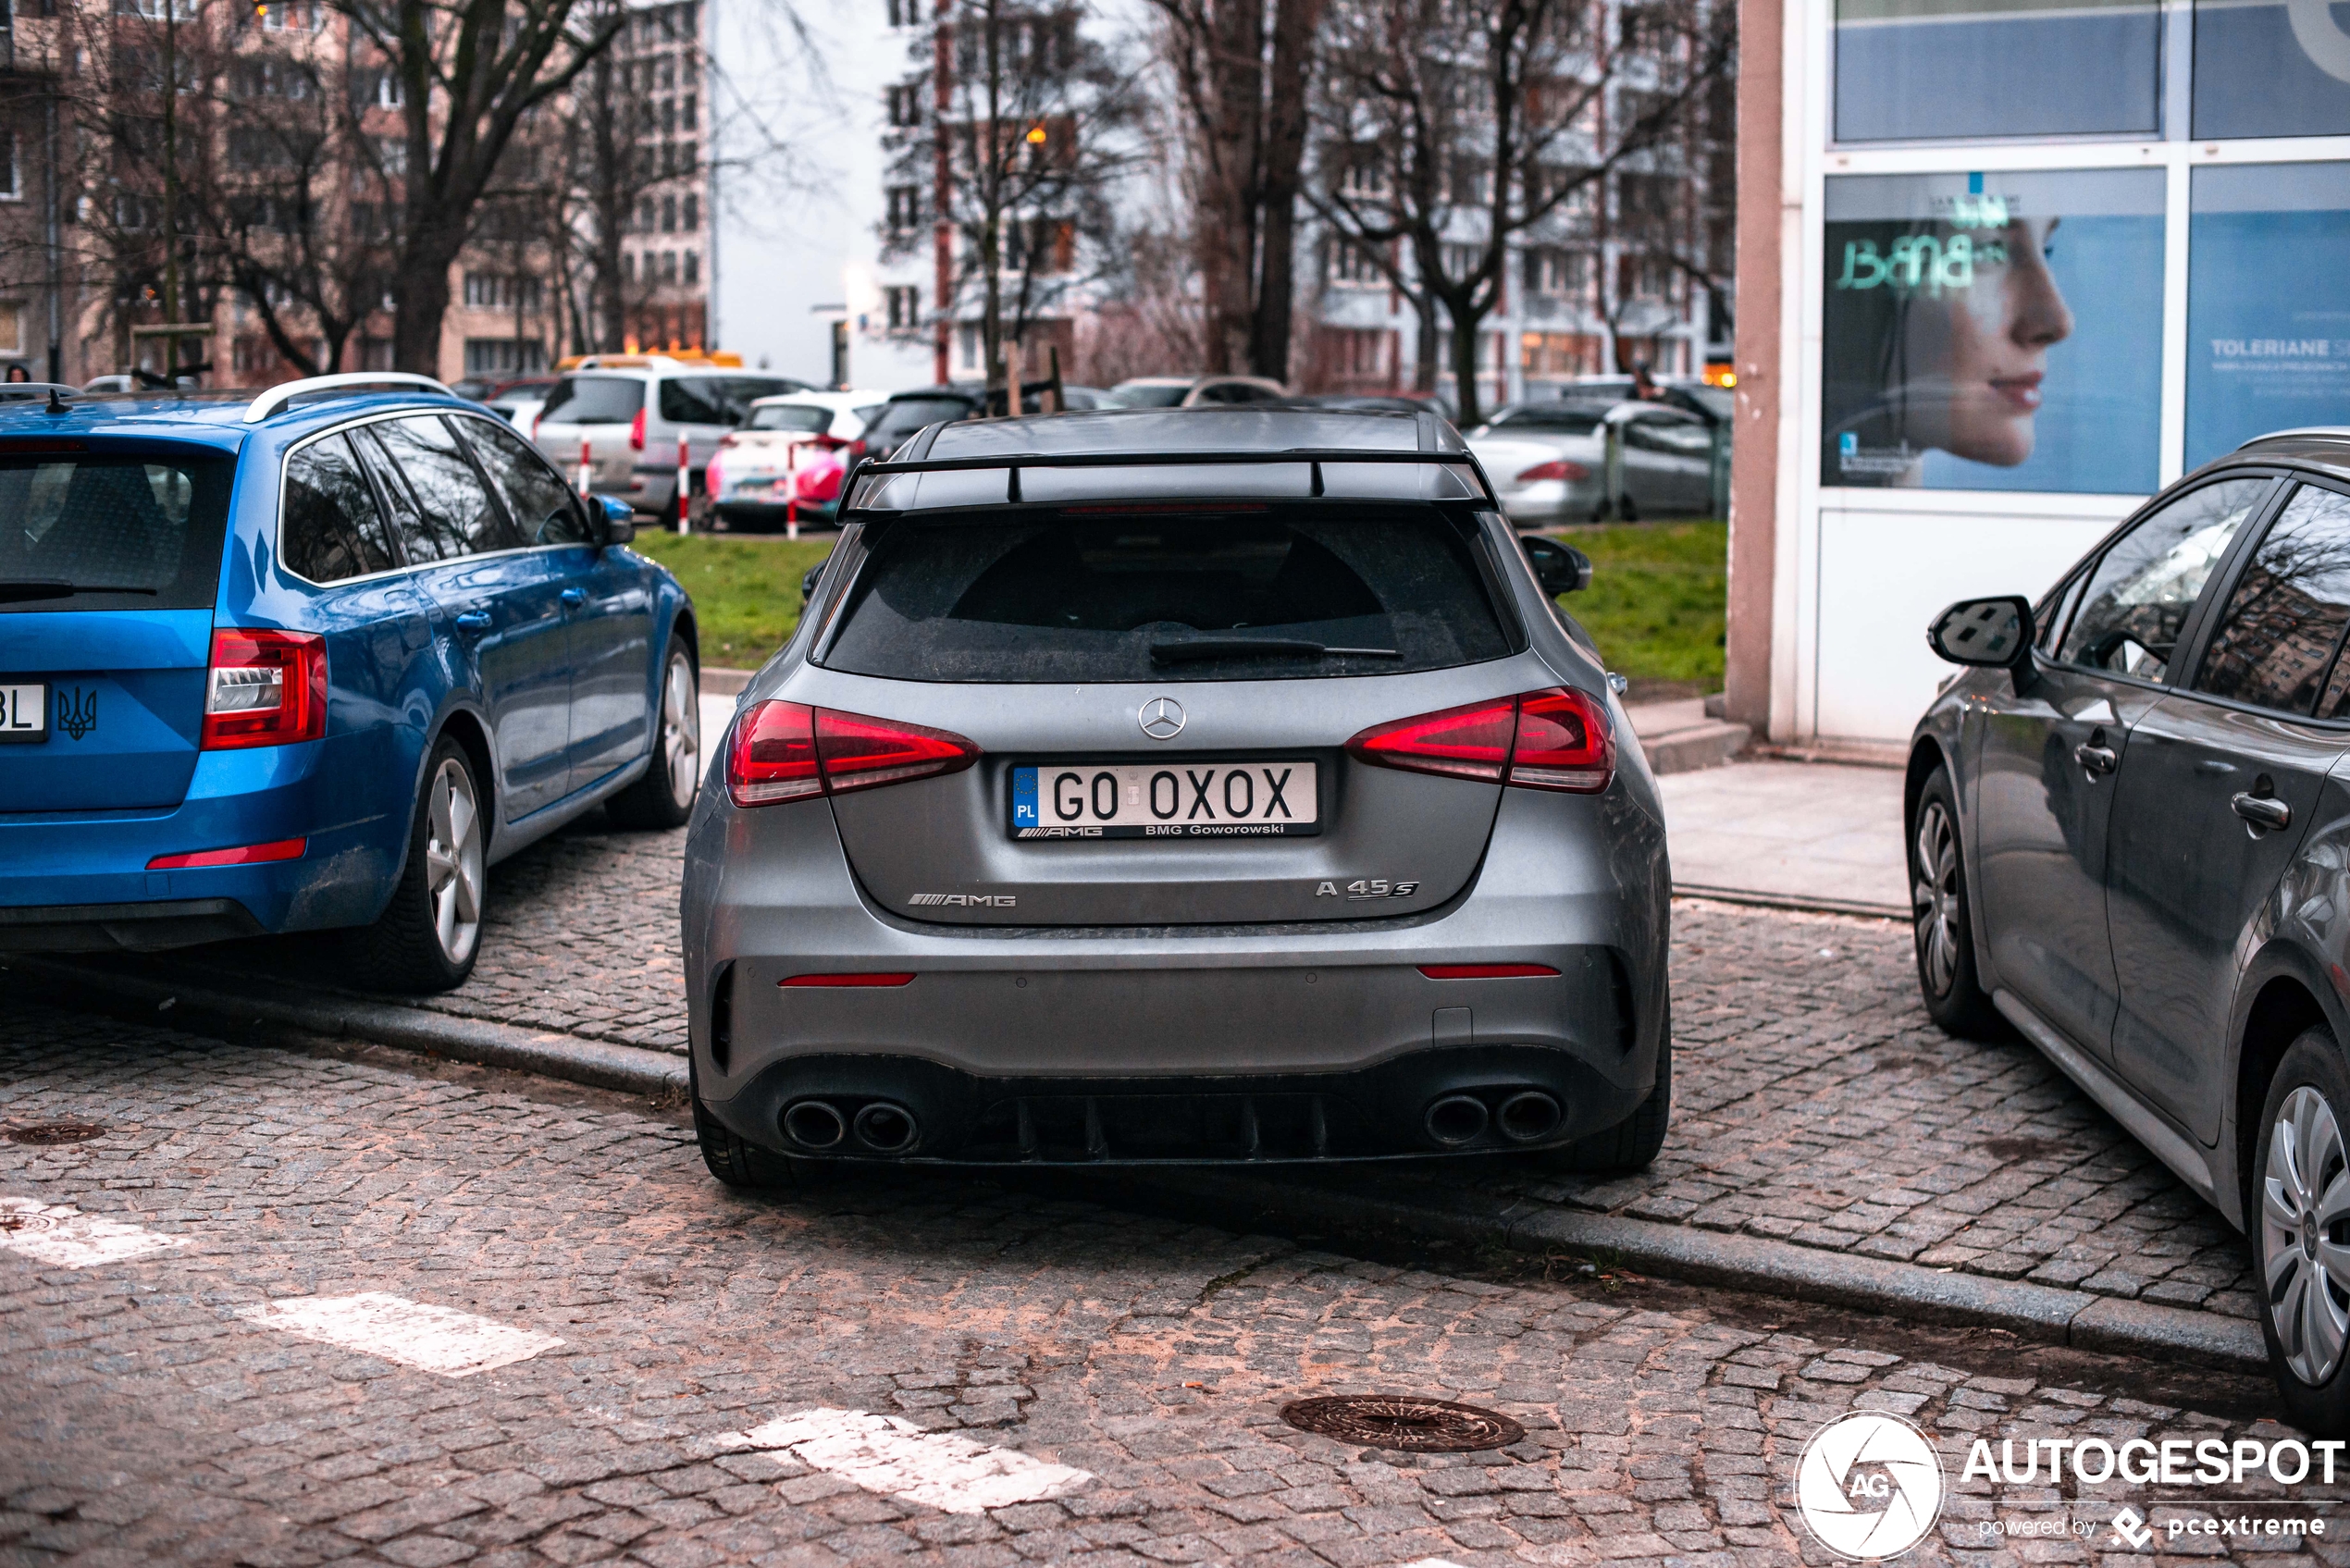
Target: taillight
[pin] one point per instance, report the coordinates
(821, 482)
(855, 449)
(788, 751)
(725, 441)
(1557, 468)
(637, 431)
(265, 689)
(536, 421)
(1556, 739)
(823, 441)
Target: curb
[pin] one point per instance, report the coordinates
(1797, 902)
(2042, 1313)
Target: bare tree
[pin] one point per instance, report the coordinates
(1015, 130)
(1449, 129)
(1240, 70)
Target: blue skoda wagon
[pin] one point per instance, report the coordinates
(309, 660)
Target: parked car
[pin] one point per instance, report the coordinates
(1713, 404)
(1197, 391)
(753, 479)
(906, 414)
(630, 409)
(1399, 402)
(1549, 462)
(495, 389)
(1321, 765)
(2128, 820)
(314, 661)
(519, 410)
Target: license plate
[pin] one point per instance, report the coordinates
(24, 712)
(1197, 800)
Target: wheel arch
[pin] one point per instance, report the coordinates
(1925, 755)
(2282, 999)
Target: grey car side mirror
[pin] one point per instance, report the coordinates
(1560, 568)
(1991, 633)
(808, 583)
(620, 519)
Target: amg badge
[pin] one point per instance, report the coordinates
(965, 900)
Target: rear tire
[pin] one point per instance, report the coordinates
(664, 796)
(1631, 1144)
(1942, 918)
(429, 935)
(742, 1166)
(2300, 1244)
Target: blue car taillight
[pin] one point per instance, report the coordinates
(264, 688)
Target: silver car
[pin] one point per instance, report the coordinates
(1215, 785)
(1550, 461)
(622, 415)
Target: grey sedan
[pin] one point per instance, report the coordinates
(1213, 785)
(2130, 840)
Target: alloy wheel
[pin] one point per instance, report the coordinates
(2304, 1200)
(1935, 896)
(681, 731)
(452, 859)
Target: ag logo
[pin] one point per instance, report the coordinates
(1869, 1486)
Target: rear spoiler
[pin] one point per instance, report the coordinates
(1013, 462)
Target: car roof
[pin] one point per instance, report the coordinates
(2325, 446)
(822, 400)
(214, 418)
(1240, 428)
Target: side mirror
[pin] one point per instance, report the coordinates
(1560, 568)
(620, 519)
(807, 582)
(1991, 633)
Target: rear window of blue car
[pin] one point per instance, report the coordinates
(111, 529)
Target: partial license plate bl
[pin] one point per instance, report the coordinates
(1189, 800)
(24, 712)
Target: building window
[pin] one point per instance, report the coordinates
(11, 177)
(283, 15)
(905, 13)
(669, 215)
(494, 290)
(11, 326)
(647, 215)
(1558, 273)
(691, 219)
(904, 206)
(1459, 261)
(669, 267)
(906, 104)
(967, 344)
(2263, 354)
(628, 265)
(693, 266)
(904, 303)
(484, 356)
(1353, 266)
(1909, 69)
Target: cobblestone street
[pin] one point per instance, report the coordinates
(647, 1330)
(1814, 1102)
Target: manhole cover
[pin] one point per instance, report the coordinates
(54, 1132)
(1393, 1421)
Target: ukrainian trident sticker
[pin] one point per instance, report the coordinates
(77, 711)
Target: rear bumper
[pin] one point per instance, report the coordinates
(1181, 1027)
(124, 928)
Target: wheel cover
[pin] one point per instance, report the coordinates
(1934, 895)
(2305, 1260)
(453, 861)
(681, 731)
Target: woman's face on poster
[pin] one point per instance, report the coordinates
(1977, 345)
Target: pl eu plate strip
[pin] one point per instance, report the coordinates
(882, 1453)
(62, 1237)
(432, 1338)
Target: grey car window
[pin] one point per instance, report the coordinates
(539, 503)
(332, 528)
(2138, 599)
(594, 399)
(694, 401)
(2282, 626)
(455, 515)
(1087, 599)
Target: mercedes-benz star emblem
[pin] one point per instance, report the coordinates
(1162, 717)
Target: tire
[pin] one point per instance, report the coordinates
(1631, 1144)
(429, 935)
(664, 796)
(2300, 1244)
(1942, 918)
(744, 1167)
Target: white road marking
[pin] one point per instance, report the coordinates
(938, 1470)
(65, 1238)
(432, 1338)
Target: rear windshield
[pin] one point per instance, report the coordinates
(1271, 594)
(804, 417)
(594, 399)
(111, 531)
(903, 417)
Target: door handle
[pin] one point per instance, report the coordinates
(2261, 810)
(473, 621)
(574, 598)
(2097, 760)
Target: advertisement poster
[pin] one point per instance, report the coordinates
(2272, 68)
(1914, 69)
(1993, 332)
(2264, 353)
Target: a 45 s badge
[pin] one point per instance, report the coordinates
(1367, 887)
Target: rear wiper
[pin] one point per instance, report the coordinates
(57, 587)
(1242, 647)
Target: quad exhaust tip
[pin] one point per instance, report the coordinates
(1456, 1120)
(1528, 1116)
(812, 1124)
(886, 1128)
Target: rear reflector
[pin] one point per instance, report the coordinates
(788, 751)
(847, 980)
(1487, 971)
(1556, 739)
(265, 689)
(244, 855)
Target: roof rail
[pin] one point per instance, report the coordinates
(276, 399)
(2303, 430)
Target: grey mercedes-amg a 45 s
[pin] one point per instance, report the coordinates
(1201, 785)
